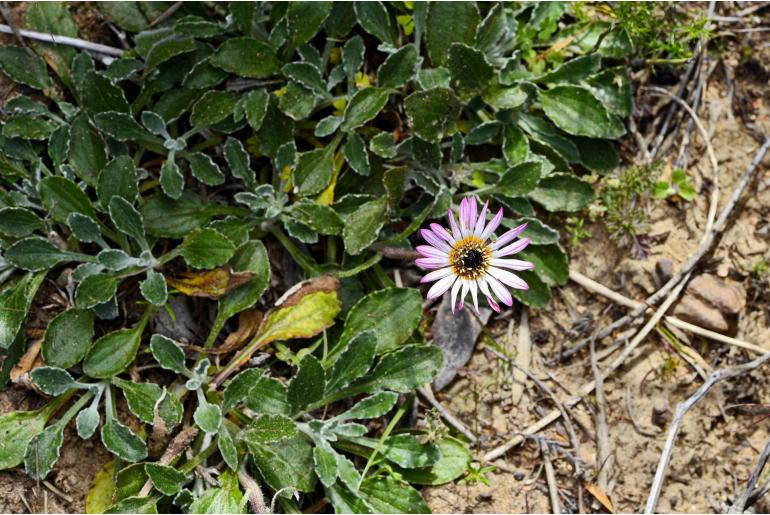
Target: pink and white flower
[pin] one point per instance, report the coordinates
(464, 259)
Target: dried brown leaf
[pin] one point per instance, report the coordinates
(210, 284)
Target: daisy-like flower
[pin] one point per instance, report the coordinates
(464, 259)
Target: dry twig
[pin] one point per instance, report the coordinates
(64, 40)
(550, 477)
(681, 410)
(740, 504)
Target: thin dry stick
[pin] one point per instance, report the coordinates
(589, 387)
(617, 298)
(426, 394)
(523, 355)
(550, 477)
(630, 410)
(603, 452)
(681, 410)
(64, 40)
(739, 506)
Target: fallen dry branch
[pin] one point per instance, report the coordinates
(617, 298)
(741, 503)
(681, 410)
(64, 40)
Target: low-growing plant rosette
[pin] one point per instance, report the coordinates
(466, 260)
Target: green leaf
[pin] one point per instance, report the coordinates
(207, 248)
(165, 49)
(213, 107)
(53, 18)
(314, 171)
(387, 494)
(353, 56)
(401, 371)
(312, 314)
(246, 57)
(19, 222)
(42, 452)
(87, 421)
(325, 461)
(117, 179)
(322, 219)
(114, 352)
(297, 101)
(308, 385)
(551, 263)
(612, 88)
(407, 451)
(17, 428)
(154, 289)
(561, 192)
(227, 447)
(284, 463)
(208, 416)
(85, 229)
(362, 227)
(354, 361)
(99, 94)
(167, 480)
(364, 106)
(22, 65)
(168, 354)
(86, 150)
(67, 338)
(121, 441)
(228, 498)
(175, 218)
(36, 254)
(121, 126)
(306, 74)
(468, 68)
(96, 289)
(345, 501)
(250, 257)
(15, 301)
(327, 126)
(574, 70)
(432, 113)
(61, 197)
(141, 398)
(356, 154)
(52, 381)
(268, 428)
(375, 19)
(268, 395)
(392, 314)
(519, 179)
(597, 155)
(239, 386)
(127, 219)
(238, 160)
(375, 406)
(577, 111)
(505, 97)
(133, 504)
(171, 179)
(398, 68)
(303, 20)
(447, 23)
(205, 169)
(452, 463)
(27, 127)
(253, 105)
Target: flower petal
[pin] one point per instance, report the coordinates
(440, 287)
(484, 287)
(463, 293)
(442, 233)
(436, 275)
(512, 264)
(481, 220)
(508, 236)
(432, 262)
(474, 294)
(508, 278)
(502, 293)
(428, 251)
(456, 234)
(455, 291)
(492, 225)
(471, 213)
(513, 248)
(435, 240)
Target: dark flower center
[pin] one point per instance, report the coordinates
(470, 257)
(473, 259)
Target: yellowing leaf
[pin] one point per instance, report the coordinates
(599, 494)
(308, 317)
(211, 284)
(99, 497)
